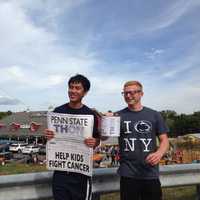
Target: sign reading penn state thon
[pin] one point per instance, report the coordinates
(110, 126)
(67, 150)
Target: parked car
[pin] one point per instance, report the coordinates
(30, 149)
(4, 148)
(17, 147)
(6, 142)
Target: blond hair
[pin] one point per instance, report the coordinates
(137, 83)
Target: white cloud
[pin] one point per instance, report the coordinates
(15, 73)
(38, 60)
(154, 53)
(55, 79)
(9, 101)
(17, 29)
(43, 44)
(183, 98)
(170, 15)
(149, 22)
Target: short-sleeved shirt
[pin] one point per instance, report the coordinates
(84, 110)
(137, 140)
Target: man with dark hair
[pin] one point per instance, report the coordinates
(80, 79)
(70, 185)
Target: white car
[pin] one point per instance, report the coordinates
(17, 147)
(30, 149)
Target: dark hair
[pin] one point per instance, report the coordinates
(78, 78)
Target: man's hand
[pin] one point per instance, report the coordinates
(92, 142)
(109, 114)
(49, 134)
(154, 158)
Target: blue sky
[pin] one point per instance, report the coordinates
(44, 42)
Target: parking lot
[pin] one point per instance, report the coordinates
(21, 152)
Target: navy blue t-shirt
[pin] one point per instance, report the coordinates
(84, 110)
(137, 140)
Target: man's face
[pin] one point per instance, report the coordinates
(76, 92)
(132, 94)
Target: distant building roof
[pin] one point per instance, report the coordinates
(24, 124)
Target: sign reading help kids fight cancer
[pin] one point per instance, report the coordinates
(67, 150)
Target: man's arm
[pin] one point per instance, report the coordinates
(154, 158)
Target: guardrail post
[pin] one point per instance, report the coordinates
(198, 192)
(96, 196)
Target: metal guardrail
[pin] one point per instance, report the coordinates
(31, 186)
(37, 186)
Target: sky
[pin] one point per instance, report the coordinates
(44, 42)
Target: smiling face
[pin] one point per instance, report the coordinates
(76, 92)
(132, 94)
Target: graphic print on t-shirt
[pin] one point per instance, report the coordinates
(143, 126)
(137, 134)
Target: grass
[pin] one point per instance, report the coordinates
(17, 168)
(180, 193)
(113, 196)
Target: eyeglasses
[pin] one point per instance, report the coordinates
(131, 92)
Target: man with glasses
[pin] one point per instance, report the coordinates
(139, 154)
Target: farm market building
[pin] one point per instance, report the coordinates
(24, 126)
